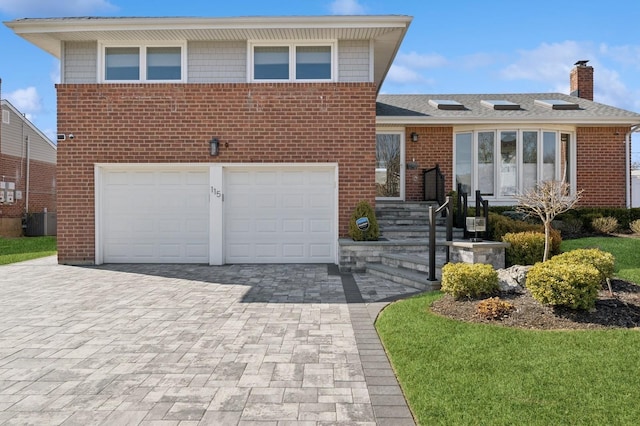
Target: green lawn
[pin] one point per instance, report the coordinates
(457, 373)
(625, 250)
(18, 249)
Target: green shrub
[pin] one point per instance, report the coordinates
(500, 225)
(571, 225)
(574, 285)
(469, 279)
(364, 209)
(526, 248)
(605, 225)
(587, 214)
(635, 226)
(603, 261)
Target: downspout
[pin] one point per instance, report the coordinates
(633, 129)
(26, 202)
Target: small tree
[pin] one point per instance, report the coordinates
(547, 200)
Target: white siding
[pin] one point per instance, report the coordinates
(80, 62)
(353, 61)
(217, 62)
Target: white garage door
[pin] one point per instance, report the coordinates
(280, 215)
(155, 216)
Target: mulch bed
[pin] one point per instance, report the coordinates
(621, 309)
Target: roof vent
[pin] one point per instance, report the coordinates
(556, 104)
(500, 104)
(446, 104)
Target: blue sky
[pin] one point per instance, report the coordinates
(466, 46)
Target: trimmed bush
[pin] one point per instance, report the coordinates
(364, 209)
(603, 261)
(469, 280)
(500, 225)
(526, 248)
(605, 225)
(635, 226)
(574, 285)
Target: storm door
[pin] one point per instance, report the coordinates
(389, 166)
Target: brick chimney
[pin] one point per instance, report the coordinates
(581, 80)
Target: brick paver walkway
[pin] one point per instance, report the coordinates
(193, 345)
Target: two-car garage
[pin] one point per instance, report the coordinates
(216, 214)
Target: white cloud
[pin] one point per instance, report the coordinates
(549, 63)
(416, 60)
(346, 7)
(27, 101)
(400, 74)
(50, 8)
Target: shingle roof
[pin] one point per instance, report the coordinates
(410, 109)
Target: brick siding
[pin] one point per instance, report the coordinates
(601, 166)
(434, 146)
(600, 162)
(173, 123)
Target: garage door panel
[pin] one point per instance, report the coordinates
(276, 215)
(155, 216)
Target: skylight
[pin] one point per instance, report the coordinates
(446, 104)
(556, 104)
(500, 104)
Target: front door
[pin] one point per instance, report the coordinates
(389, 166)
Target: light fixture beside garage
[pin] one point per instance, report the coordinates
(214, 145)
(414, 137)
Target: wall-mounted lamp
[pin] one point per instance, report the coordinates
(414, 137)
(214, 145)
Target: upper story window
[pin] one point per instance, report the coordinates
(143, 63)
(292, 62)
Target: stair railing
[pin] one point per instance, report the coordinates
(446, 207)
(482, 210)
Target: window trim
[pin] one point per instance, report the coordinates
(6, 116)
(102, 71)
(559, 160)
(292, 45)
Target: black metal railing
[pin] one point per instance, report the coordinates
(482, 210)
(446, 208)
(461, 213)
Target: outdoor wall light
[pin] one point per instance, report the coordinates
(214, 145)
(414, 137)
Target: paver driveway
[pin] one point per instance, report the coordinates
(187, 345)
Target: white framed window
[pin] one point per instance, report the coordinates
(152, 63)
(5, 116)
(289, 61)
(504, 162)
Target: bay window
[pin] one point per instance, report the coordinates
(503, 163)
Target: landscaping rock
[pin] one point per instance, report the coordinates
(511, 280)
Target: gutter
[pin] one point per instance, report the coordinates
(627, 140)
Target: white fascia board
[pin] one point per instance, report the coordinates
(53, 25)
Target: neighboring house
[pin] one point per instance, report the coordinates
(230, 140)
(27, 171)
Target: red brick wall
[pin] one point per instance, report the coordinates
(42, 185)
(601, 166)
(434, 146)
(161, 123)
(600, 162)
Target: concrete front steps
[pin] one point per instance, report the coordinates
(402, 254)
(407, 269)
